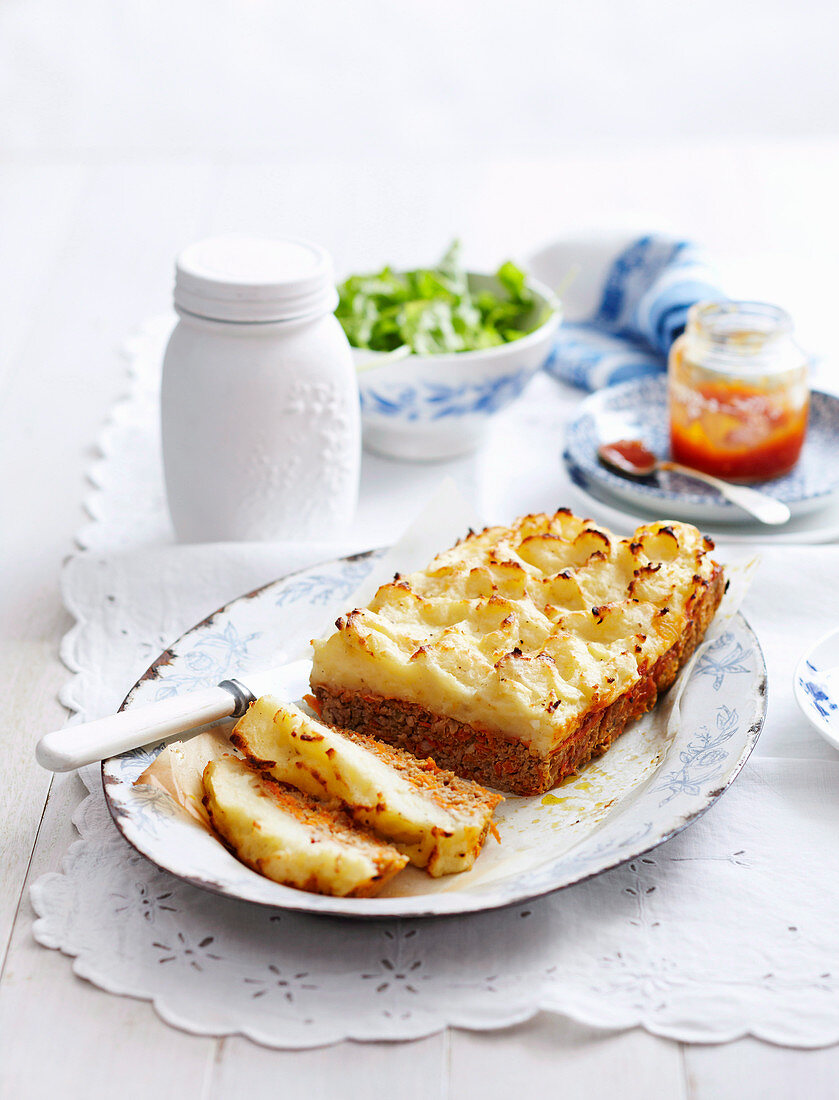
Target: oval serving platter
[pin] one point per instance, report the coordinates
(659, 776)
(638, 410)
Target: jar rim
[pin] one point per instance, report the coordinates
(728, 322)
(742, 339)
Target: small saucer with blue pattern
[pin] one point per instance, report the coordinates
(593, 500)
(638, 410)
(816, 687)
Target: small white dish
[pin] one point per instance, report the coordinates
(638, 410)
(816, 687)
(427, 407)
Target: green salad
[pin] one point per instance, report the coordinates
(433, 310)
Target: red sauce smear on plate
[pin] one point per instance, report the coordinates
(628, 454)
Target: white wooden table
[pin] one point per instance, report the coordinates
(85, 254)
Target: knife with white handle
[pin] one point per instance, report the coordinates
(440, 523)
(74, 746)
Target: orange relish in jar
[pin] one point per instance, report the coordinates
(738, 392)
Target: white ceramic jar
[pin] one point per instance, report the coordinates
(259, 400)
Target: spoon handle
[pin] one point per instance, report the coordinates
(760, 505)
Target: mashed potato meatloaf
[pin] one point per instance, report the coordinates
(291, 838)
(431, 815)
(523, 651)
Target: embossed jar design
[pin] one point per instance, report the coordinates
(259, 400)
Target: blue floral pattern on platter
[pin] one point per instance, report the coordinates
(638, 409)
(702, 758)
(721, 714)
(215, 656)
(429, 400)
(320, 588)
(722, 656)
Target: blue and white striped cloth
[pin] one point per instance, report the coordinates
(626, 303)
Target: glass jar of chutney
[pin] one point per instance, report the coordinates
(738, 392)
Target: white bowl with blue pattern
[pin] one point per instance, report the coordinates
(427, 407)
(816, 687)
(638, 410)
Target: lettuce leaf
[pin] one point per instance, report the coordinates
(433, 310)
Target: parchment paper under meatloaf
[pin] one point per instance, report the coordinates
(490, 758)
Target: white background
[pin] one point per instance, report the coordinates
(381, 130)
(465, 79)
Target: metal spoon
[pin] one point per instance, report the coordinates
(630, 458)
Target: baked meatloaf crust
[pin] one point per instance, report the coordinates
(491, 758)
(522, 651)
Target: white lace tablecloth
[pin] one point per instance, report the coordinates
(730, 928)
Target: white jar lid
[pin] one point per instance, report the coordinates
(236, 278)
